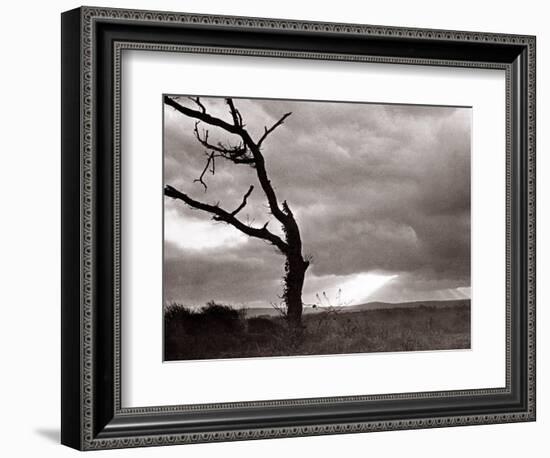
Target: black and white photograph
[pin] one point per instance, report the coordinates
(277, 222)
(302, 227)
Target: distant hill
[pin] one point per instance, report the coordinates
(391, 305)
(261, 311)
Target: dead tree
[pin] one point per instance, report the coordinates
(248, 152)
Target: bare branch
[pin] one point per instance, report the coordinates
(235, 114)
(201, 116)
(243, 203)
(211, 160)
(259, 161)
(220, 214)
(197, 100)
(204, 139)
(238, 154)
(273, 127)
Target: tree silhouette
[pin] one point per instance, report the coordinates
(248, 152)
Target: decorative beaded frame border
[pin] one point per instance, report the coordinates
(88, 16)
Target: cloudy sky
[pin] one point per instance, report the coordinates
(381, 194)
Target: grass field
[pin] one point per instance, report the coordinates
(218, 331)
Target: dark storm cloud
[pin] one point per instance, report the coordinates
(375, 188)
(223, 275)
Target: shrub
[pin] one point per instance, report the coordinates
(220, 312)
(175, 312)
(263, 325)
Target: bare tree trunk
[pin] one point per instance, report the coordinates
(295, 270)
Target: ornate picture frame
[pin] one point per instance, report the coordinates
(93, 415)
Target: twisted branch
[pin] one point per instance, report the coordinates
(235, 114)
(219, 214)
(259, 161)
(273, 127)
(211, 160)
(243, 203)
(237, 154)
(197, 100)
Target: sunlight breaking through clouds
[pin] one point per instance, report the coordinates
(346, 290)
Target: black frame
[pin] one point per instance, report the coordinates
(92, 40)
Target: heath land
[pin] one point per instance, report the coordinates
(220, 331)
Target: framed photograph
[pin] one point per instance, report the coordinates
(276, 228)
